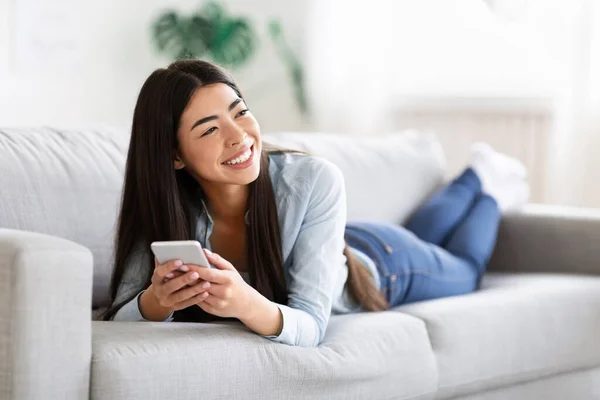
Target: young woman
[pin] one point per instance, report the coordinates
(273, 223)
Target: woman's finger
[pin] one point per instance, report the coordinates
(215, 302)
(191, 301)
(220, 291)
(187, 293)
(170, 266)
(176, 284)
(218, 261)
(213, 275)
(207, 307)
(172, 275)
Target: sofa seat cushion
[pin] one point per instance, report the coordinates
(363, 356)
(517, 328)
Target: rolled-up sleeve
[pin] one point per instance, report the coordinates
(317, 257)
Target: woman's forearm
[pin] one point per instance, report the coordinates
(264, 317)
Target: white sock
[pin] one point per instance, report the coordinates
(498, 163)
(521, 198)
(511, 194)
(502, 177)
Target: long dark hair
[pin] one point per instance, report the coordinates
(158, 200)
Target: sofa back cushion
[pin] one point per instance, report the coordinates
(67, 184)
(386, 176)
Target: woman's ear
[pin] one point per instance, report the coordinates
(177, 161)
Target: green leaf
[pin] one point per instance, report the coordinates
(234, 42)
(165, 32)
(229, 40)
(197, 33)
(180, 37)
(214, 11)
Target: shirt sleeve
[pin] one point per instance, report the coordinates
(317, 256)
(131, 311)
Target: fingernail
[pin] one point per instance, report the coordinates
(205, 285)
(178, 263)
(169, 275)
(184, 268)
(208, 251)
(194, 276)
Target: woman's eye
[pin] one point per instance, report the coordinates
(211, 130)
(242, 113)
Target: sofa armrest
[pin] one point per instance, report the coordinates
(45, 317)
(546, 238)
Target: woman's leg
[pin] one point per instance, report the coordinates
(475, 238)
(435, 272)
(496, 174)
(411, 269)
(441, 213)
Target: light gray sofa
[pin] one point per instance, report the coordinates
(531, 332)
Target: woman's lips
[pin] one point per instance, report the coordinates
(244, 164)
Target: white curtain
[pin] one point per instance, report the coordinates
(575, 164)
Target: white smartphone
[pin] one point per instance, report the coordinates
(188, 251)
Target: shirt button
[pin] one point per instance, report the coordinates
(393, 278)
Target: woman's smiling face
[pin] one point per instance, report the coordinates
(219, 139)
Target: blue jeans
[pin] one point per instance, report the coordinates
(444, 248)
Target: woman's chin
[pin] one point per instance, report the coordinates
(243, 177)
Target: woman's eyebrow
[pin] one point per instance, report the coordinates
(213, 117)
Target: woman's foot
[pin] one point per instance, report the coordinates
(511, 194)
(521, 196)
(500, 165)
(502, 177)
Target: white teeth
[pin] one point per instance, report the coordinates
(243, 158)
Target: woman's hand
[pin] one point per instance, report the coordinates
(174, 287)
(229, 296)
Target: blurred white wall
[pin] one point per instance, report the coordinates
(383, 54)
(363, 59)
(107, 54)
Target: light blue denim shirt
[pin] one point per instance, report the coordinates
(311, 206)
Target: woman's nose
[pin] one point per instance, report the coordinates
(236, 137)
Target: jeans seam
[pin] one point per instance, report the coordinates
(429, 275)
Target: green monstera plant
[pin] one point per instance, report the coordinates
(226, 39)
